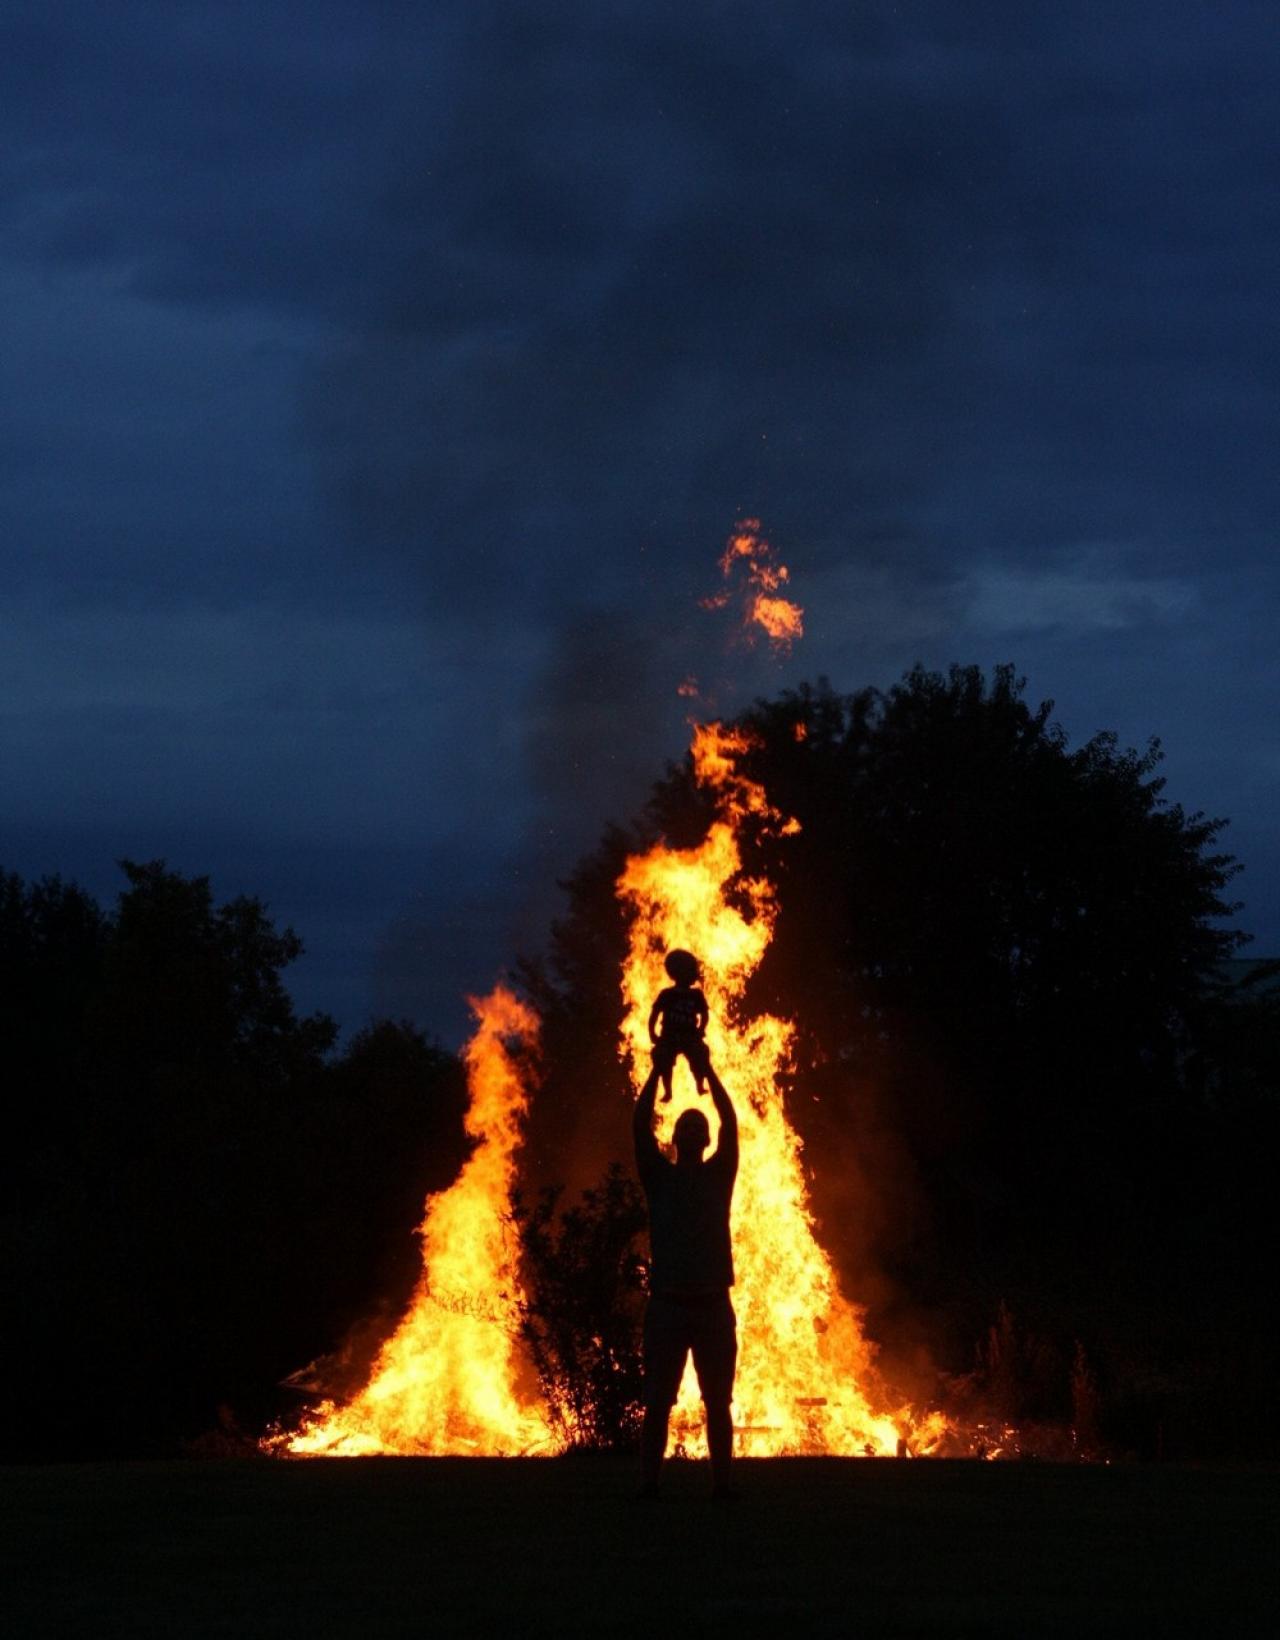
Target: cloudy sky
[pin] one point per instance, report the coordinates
(381, 381)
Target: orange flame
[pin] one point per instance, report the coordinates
(780, 619)
(448, 1381)
(763, 602)
(806, 1381)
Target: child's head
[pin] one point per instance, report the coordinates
(683, 967)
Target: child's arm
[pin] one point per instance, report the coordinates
(655, 1014)
(704, 1013)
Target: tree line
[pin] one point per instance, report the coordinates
(200, 1195)
(1038, 1089)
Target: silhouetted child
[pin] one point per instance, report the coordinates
(681, 1012)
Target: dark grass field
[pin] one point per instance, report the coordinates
(426, 1547)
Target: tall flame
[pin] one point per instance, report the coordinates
(806, 1382)
(449, 1380)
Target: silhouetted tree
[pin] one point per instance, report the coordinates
(198, 1198)
(1002, 946)
(387, 1122)
(53, 939)
(583, 1309)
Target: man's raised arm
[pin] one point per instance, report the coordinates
(647, 1152)
(727, 1145)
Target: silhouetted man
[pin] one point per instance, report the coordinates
(690, 1273)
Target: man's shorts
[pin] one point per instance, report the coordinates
(673, 1326)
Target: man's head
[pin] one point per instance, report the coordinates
(691, 1136)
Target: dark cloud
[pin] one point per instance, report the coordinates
(842, 275)
(489, 320)
(660, 282)
(212, 155)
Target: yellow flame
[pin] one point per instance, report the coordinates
(449, 1381)
(806, 1381)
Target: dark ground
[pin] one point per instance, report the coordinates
(421, 1547)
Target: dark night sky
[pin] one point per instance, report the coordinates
(382, 380)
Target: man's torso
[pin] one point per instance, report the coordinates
(690, 1246)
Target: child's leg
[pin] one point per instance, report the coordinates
(690, 1058)
(693, 1058)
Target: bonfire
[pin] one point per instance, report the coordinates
(452, 1378)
